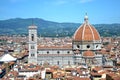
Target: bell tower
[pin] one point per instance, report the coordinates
(32, 58)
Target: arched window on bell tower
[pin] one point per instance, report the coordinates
(32, 37)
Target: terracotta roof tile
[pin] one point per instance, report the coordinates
(88, 54)
(86, 32)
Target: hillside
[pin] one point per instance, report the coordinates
(52, 29)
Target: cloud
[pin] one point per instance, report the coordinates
(60, 2)
(85, 1)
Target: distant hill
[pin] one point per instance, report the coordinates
(51, 29)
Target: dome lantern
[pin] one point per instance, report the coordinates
(86, 18)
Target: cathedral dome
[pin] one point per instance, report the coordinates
(88, 54)
(86, 32)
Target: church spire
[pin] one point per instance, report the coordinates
(86, 18)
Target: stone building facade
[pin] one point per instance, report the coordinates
(85, 44)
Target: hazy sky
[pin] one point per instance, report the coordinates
(99, 11)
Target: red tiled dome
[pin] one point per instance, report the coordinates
(86, 32)
(88, 54)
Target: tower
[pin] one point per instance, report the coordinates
(32, 58)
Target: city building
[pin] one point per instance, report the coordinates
(86, 42)
(83, 50)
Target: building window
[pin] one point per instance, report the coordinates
(32, 55)
(58, 52)
(37, 51)
(32, 47)
(32, 37)
(96, 46)
(68, 62)
(57, 62)
(47, 52)
(88, 46)
(78, 46)
(68, 52)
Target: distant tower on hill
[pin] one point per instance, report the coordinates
(32, 44)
